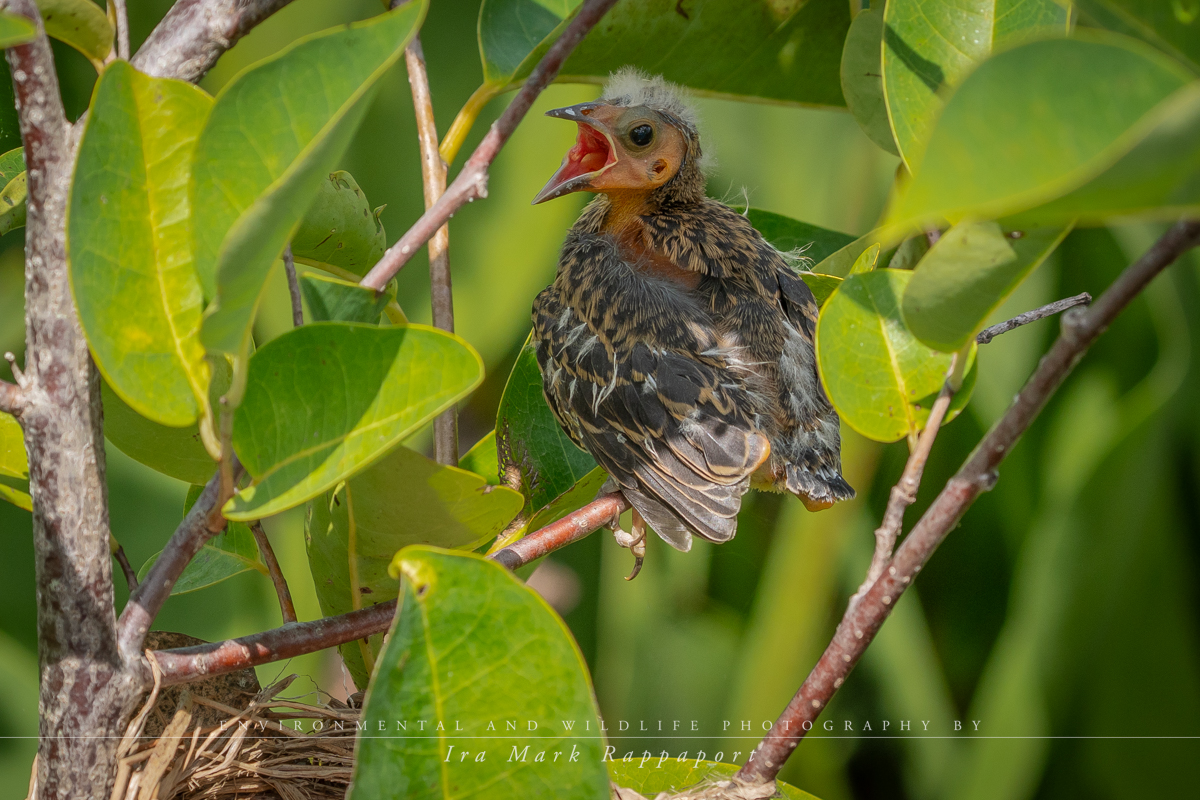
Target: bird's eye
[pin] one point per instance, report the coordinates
(641, 135)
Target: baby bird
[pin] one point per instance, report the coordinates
(676, 345)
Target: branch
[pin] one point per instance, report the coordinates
(289, 266)
(12, 398)
(471, 182)
(192, 663)
(862, 621)
(194, 34)
(147, 599)
(122, 15)
(433, 175)
(1048, 310)
(286, 608)
(118, 553)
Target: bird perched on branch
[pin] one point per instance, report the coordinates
(676, 345)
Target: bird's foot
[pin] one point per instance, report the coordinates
(635, 541)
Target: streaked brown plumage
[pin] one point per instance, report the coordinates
(676, 345)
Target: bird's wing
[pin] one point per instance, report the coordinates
(633, 373)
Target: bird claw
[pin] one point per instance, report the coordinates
(635, 541)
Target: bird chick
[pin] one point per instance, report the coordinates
(676, 344)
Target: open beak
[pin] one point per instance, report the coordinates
(593, 154)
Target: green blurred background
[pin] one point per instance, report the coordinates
(1062, 615)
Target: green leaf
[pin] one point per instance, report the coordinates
(483, 459)
(13, 463)
(840, 262)
(12, 204)
(966, 276)
(786, 52)
(928, 47)
(790, 235)
(866, 260)
(326, 400)
(910, 252)
(879, 377)
(331, 299)
(340, 233)
(275, 133)
(15, 29)
(359, 520)
(1041, 120)
(1171, 26)
(649, 776)
(471, 645)
(862, 78)
(530, 441)
(81, 24)
(129, 243)
(229, 553)
(12, 164)
(177, 452)
(583, 492)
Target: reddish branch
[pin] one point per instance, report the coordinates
(433, 177)
(471, 183)
(862, 621)
(287, 608)
(192, 663)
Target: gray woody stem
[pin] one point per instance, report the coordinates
(86, 689)
(433, 175)
(862, 620)
(471, 182)
(1050, 309)
(122, 15)
(12, 398)
(289, 267)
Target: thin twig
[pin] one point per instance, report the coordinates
(286, 607)
(862, 621)
(123, 560)
(1048, 310)
(289, 266)
(471, 182)
(147, 600)
(904, 493)
(433, 176)
(298, 638)
(122, 29)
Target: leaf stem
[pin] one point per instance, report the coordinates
(123, 561)
(862, 620)
(465, 120)
(286, 608)
(471, 182)
(433, 176)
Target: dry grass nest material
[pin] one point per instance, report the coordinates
(252, 752)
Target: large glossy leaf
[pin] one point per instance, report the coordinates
(649, 776)
(1167, 24)
(1048, 118)
(178, 452)
(326, 400)
(229, 553)
(483, 459)
(340, 233)
(275, 133)
(81, 24)
(862, 78)
(14, 467)
(879, 377)
(405, 498)
(15, 29)
(791, 235)
(473, 648)
(782, 51)
(334, 300)
(129, 243)
(532, 446)
(929, 46)
(971, 270)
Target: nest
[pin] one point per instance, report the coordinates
(268, 748)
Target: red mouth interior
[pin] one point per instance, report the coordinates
(591, 153)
